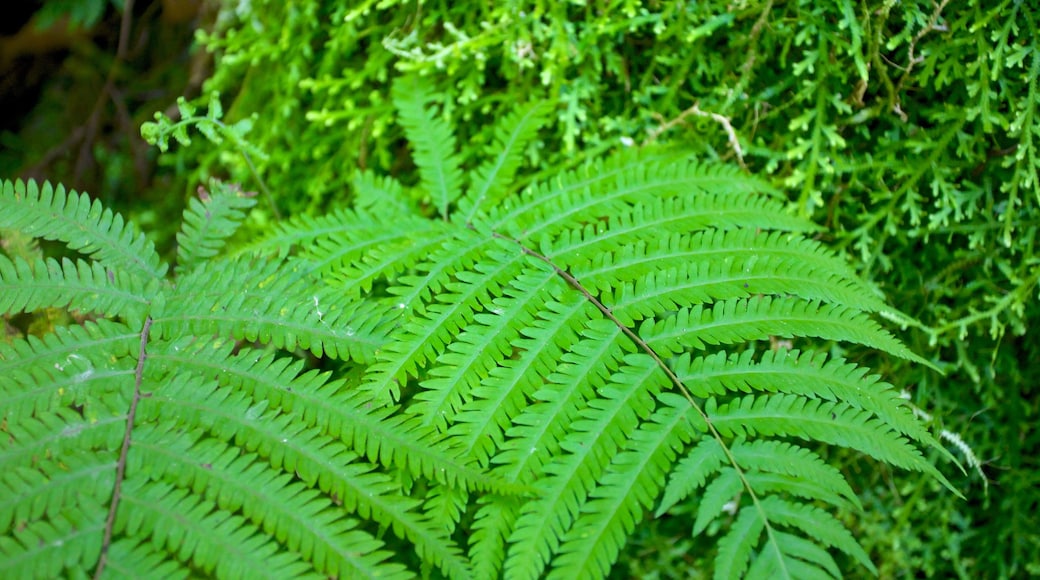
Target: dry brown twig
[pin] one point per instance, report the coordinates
(696, 111)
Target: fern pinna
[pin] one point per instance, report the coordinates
(509, 382)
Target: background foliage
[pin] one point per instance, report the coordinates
(909, 129)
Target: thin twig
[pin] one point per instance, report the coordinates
(696, 111)
(913, 59)
(121, 463)
(91, 126)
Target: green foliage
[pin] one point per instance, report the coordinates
(79, 12)
(480, 401)
(909, 129)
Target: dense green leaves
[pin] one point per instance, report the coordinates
(487, 372)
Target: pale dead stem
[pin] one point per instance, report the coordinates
(696, 111)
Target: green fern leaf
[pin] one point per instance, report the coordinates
(52, 214)
(692, 472)
(209, 220)
(739, 321)
(81, 286)
(818, 524)
(625, 492)
(498, 401)
(382, 195)
(212, 540)
(432, 141)
(736, 546)
(602, 429)
(835, 423)
(263, 304)
(490, 531)
(52, 547)
(807, 374)
(493, 177)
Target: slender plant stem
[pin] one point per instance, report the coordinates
(121, 463)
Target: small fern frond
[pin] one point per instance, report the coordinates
(382, 196)
(736, 546)
(201, 535)
(256, 301)
(209, 220)
(498, 400)
(602, 428)
(815, 420)
(625, 492)
(424, 334)
(490, 531)
(312, 525)
(780, 457)
(802, 373)
(28, 494)
(44, 548)
(717, 265)
(743, 320)
(474, 353)
(433, 144)
(821, 526)
(86, 287)
(692, 472)
(491, 179)
(85, 226)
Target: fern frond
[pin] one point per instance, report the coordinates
(720, 265)
(209, 220)
(818, 524)
(473, 354)
(383, 196)
(137, 559)
(300, 231)
(539, 429)
(306, 452)
(808, 468)
(82, 286)
(497, 402)
(305, 521)
(257, 301)
(692, 472)
(743, 320)
(425, 334)
(736, 546)
(601, 188)
(199, 534)
(490, 530)
(399, 441)
(357, 258)
(603, 427)
(806, 374)
(801, 558)
(53, 435)
(448, 256)
(812, 419)
(657, 217)
(53, 547)
(47, 489)
(491, 179)
(52, 214)
(625, 492)
(683, 188)
(433, 145)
